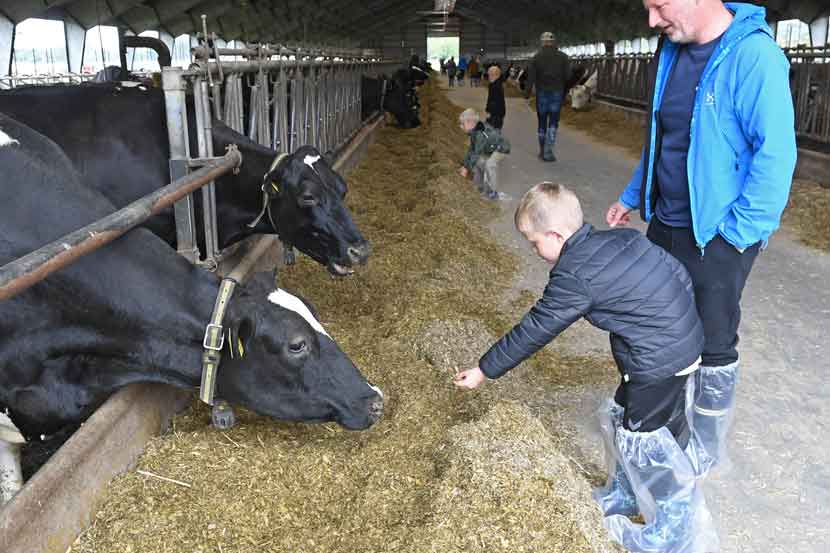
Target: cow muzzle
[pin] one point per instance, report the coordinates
(359, 253)
(356, 254)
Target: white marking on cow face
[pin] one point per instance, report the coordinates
(579, 96)
(6, 140)
(295, 304)
(310, 161)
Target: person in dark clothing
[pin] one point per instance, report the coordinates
(648, 307)
(548, 72)
(451, 71)
(496, 108)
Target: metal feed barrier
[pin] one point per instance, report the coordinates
(295, 96)
(623, 79)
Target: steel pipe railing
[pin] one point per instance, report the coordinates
(22, 273)
(623, 78)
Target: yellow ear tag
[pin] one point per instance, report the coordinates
(240, 348)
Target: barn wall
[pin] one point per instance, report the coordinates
(402, 42)
(474, 38)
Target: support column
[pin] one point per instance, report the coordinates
(75, 43)
(168, 40)
(6, 40)
(819, 32)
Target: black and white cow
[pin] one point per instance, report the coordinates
(135, 311)
(116, 137)
(581, 87)
(397, 100)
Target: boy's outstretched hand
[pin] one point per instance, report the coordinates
(463, 171)
(469, 379)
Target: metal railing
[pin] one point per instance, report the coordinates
(13, 81)
(623, 79)
(282, 97)
(24, 272)
(294, 96)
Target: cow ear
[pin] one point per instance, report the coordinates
(241, 332)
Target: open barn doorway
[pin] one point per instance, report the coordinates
(441, 47)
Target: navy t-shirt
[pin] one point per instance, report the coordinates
(673, 207)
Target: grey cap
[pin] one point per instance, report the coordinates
(547, 36)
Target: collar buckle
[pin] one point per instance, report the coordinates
(208, 342)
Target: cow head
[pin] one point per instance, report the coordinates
(307, 199)
(283, 364)
(402, 102)
(582, 94)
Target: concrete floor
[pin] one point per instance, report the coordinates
(776, 498)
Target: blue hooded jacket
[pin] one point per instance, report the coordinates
(742, 149)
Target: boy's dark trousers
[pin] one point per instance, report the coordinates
(649, 406)
(718, 274)
(496, 121)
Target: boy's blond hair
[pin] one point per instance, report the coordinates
(469, 114)
(549, 206)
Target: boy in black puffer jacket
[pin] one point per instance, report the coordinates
(621, 282)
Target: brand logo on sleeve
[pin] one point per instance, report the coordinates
(709, 98)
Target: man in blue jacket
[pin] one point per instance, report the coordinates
(715, 172)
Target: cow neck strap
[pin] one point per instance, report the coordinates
(266, 196)
(214, 341)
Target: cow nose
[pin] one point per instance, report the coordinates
(359, 253)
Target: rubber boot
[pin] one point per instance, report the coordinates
(550, 141)
(714, 409)
(669, 494)
(541, 146)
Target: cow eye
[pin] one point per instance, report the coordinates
(297, 347)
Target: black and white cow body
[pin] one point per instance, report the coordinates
(399, 99)
(116, 137)
(135, 311)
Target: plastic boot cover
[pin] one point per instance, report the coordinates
(617, 496)
(714, 409)
(550, 141)
(669, 494)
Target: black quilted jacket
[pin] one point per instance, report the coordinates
(620, 282)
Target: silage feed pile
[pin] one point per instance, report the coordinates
(606, 125)
(808, 214)
(443, 471)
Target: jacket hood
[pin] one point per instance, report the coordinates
(748, 19)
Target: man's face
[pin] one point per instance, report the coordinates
(676, 18)
(494, 73)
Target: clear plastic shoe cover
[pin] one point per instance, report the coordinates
(669, 492)
(714, 410)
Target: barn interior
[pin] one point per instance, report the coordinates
(509, 467)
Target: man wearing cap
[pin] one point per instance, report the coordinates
(548, 73)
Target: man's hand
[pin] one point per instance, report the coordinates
(463, 171)
(469, 379)
(617, 214)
